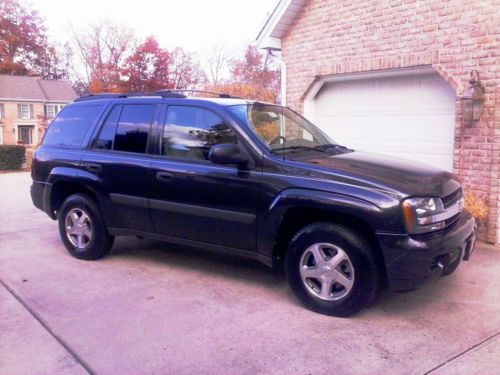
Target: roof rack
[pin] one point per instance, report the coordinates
(128, 95)
(174, 91)
(168, 93)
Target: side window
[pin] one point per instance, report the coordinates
(189, 132)
(70, 126)
(133, 128)
(108, 130)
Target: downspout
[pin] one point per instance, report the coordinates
(282, 77)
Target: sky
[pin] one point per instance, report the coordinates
(194, 25)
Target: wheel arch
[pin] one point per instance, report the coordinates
(294, 210)
(64, 182)
(61, 190)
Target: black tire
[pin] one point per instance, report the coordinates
(367, 274)
(100, 241)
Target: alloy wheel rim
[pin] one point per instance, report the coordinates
(78, 228)
(327, 271)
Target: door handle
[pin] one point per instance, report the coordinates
(163, 176)
(93, 167)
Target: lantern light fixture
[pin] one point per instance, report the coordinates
(473, 99)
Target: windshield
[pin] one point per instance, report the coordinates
(279, 127)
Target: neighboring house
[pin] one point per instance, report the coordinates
(388, 76)
(26, 103)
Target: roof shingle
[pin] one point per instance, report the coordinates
(36, 89)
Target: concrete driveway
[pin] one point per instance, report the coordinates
(154, 308)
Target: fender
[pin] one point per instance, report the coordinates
(272, 218)
(73, 175)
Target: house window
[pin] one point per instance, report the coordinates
(25, 111)
(25, 134)
(2, 110)
(51, 110)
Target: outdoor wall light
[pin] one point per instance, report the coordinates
(473, 99)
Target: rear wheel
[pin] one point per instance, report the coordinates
(332, 270)
(82, 228)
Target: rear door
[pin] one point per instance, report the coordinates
(191, 198)
(120, 158)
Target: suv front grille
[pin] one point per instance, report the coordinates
(452, 198)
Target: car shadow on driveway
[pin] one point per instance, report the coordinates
(251, 272)
(199, 260)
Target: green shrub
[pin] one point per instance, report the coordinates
(12, 157)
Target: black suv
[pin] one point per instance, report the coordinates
(253, 179)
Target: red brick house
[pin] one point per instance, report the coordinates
(26, 103)
(388, 76)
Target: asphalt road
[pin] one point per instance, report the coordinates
(154, 308)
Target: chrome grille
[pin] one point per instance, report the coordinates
(452, 198)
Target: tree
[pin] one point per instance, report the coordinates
(256, 71)
(246, 91)
(185, 73)
(56, 62)
(23, 41)
(217, 60)
(252, 77)
(103, 48)
(148, 68)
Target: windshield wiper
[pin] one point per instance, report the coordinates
(331, 145)
(292, 148)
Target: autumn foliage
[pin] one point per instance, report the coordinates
(148, 68)
(476, 206)
(107, 57)
(24, 47)
(252, 77)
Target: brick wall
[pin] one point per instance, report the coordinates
(454, 36)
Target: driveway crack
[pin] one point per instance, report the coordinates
(61, 342)
(462, 353)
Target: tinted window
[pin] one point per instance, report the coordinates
(133, 128)
(107, 134)
(70, 126)
(189, 132)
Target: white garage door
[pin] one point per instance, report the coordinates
(411, 116)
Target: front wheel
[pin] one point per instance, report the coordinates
(332, 270)
(82, 228)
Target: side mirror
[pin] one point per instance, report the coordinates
(227, 153)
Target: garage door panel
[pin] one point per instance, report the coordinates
(411, 117)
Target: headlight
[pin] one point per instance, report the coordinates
(422, 215)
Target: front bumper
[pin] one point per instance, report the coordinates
(412, 261)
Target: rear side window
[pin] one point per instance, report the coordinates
(70, 126)
(108, 130)
(128, 133)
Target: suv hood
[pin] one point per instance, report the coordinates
(401, 176)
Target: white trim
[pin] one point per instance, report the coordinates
(278, 23)
(313, 91)
(264, 39)
(22, 100)
(35, 100)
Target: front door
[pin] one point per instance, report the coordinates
(191, 198)
(25, 134)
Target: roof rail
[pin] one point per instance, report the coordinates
(168, 93)
(128, 95)
(173, 91)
